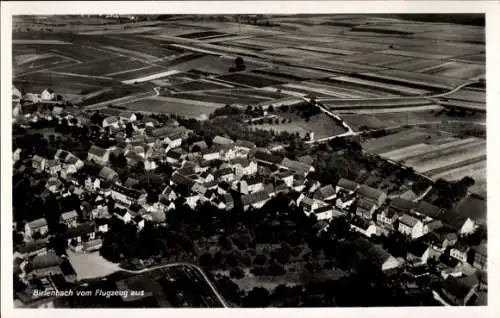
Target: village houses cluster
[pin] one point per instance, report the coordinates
(213, 174)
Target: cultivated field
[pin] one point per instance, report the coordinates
(436, 154)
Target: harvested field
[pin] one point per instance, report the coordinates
(250, 79)
(45, 61)
(384, 89)
(156, 75)
(179, 106)
(38, 81)
(220, 98)
(198, 86)
(395, 141)
(36, 41)
(136, 72)
(388, 119)
(449, 157)
(468, 95)
(338, 67)
(456, 69)
(103, 67)
(376, 59)
(414, 79)
(203, 34)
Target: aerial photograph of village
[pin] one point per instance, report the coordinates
(236, 161)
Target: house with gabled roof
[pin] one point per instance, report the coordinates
(461, 224)
(30, 249)
(267, 158)
(296, 166)
(69, 218)
(180, 179)
(219, 140)
(376, 254)
(460, 252)
(373, 195)
(255, 200)
(250, 184)
(396, 208)
(346, 185)
(458, 291)
(98, 155)
(365, 208)
(76, 236)
(411, 226)
(363, 226)
(38, 163)
(327, 212)
(226, 175)
(212, 153)
(244, 145)
(108, 174)
(418, 253)
(325, 193)
(126, 196)
(427, 209)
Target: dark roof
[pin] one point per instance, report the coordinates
(401, 205)
(375, 253)
(347, 184)
(453, 220)
(201, 144)
(322, 209)
(35, 224)
(131, 182)
(213, 149)
(131, 193)
(223, 172)
(369, 192)
(244, 162)
(434, 225)
(459, 287)
(306, 159)
(417, 248)
(67, 269)
(267, 157)
(364, 204)
(250, 180)
(162, 132)
(361, 223)
(46, 260)
(227, 198)
(295, 165)
(324, 192)
(408, 220)
(178, 178)
(107, 173)
(81, 229)
(254, 197)
(121, 212)
(473, 207)
(31, 247)
(174, 155)
(97, 151)
(244, 144)
(428, 209)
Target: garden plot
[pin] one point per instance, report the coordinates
(422, 55)
(328, 50)
(222, 98)
(200, 85)
(297, 52)
(338, 66)
(252, 80)
(293, 73)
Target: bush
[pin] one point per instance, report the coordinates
(236, 273)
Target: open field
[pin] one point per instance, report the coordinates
(435, 154)
(179, 106)
(405, 117)
(321, 125)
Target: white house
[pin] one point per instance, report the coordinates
(364, 227)
(92, 184)
(111, 121)
(123, 215)
(47, 95)
(411, 226)
(460, 252)
(98, 155)
(36, 226)
(211, 154)
(418, 253)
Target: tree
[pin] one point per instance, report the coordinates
(270, 109)
(129, 129)
(236, 273)
(257, 297)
